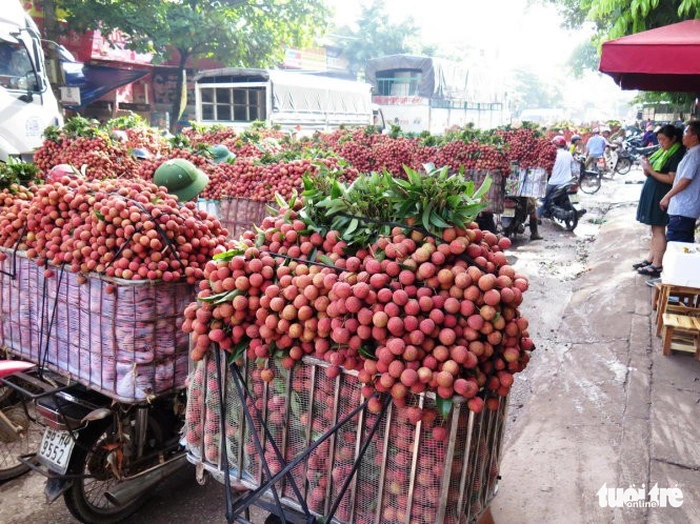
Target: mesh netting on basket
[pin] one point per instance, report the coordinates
(195, 409)
(240, 214)
(455, 460)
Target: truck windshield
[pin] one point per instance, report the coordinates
(16, 69)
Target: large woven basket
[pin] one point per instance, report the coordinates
(127, 344)
(407, 476)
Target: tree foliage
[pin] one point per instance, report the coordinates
(583, 58)
(532, 92)
(617, 18)
(374, 36)
(251, 33)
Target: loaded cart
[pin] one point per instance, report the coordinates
(355, 355)
(94, 277)
(111, 365)
(306, 447)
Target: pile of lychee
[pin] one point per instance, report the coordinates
(411, 313)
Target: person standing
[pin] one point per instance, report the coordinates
(660, 170)
(595, 148)
(683, 200)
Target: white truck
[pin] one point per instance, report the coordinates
(294, 100)
(27, 103)
(420, 93)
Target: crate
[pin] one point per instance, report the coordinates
(128, 344)
(236, 214)
(406, 476)
(496, 194)
(681, 264)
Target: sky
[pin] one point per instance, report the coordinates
(522, 35)
(519, 34)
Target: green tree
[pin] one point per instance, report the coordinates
(583, 58)
(374, 35)
(532, 92)
(250, 33)
(617, 18)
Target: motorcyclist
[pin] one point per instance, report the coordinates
(576, 147)
(561, 172)
(181, 178)
(649, 137)
(595, 147)
(611, 148)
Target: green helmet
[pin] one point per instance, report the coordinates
(220, 153)
(181, 178)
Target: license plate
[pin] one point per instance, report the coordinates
(55, 450)
(573, 199)
(508, 212)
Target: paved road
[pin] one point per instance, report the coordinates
(553, 266)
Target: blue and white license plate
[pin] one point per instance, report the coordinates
(574, 198)
(55, 450)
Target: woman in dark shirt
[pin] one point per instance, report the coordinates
(660, 170)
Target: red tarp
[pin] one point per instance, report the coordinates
(662, 59)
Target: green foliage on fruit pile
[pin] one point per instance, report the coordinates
(16, 172)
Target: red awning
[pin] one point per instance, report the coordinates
(662, 59)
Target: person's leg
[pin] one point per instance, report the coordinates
(680, 229)
(589, 160)
(545, 200)
(532, 212)
(658, 245)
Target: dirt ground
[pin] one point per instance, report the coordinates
(552, 266)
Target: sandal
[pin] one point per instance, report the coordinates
(643, 263)
(650, 270)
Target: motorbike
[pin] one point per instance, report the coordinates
(637, 153)
(514, 216)
(19, 433)
(103, 456)
(562, 205)
(615, 160)
(589, 180)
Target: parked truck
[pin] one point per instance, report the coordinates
(27, 103)
(309, 102)
(420, 93)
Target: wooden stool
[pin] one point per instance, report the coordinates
(687, 328)
(688, 298)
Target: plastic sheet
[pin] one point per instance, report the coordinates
(127, 344)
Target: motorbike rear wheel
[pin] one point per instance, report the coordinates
(624, 164)
(571, 222)
(590, 182)
(85, 499)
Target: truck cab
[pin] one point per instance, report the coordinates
(27, 103)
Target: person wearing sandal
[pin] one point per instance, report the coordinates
(683, 201)
(660, 170)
